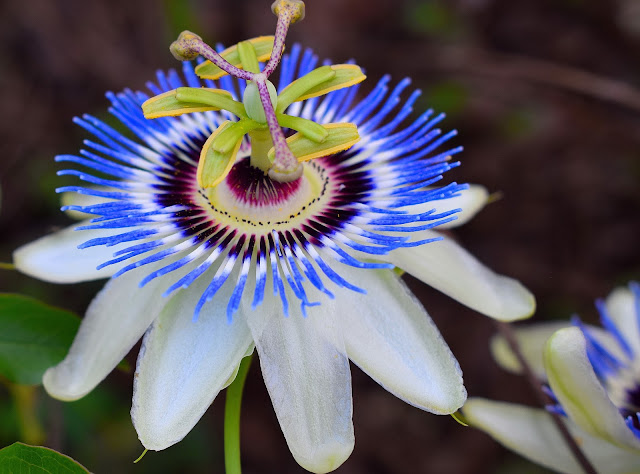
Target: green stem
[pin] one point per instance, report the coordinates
(25, 399)
(232, 408)
(7, 266)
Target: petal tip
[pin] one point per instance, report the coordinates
(452, 398)
(326, 457)
(565, 339)
(22, 262)
(156, 433)
(58, 382)
(522, 304)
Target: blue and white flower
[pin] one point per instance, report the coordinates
(593, 376)
(300, 269)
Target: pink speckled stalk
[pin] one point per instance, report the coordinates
(285, 166)
(284, 20)
(200, 47)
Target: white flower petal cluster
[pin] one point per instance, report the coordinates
(304, 350)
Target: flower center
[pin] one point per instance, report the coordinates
(262, 112)
(633, 397)
(249, 198)
(623, 389)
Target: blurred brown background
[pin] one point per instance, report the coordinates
(545, 94)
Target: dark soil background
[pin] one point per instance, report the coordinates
(545, 94)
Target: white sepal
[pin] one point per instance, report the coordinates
(116, 319)
(56, 257)
(448, 267)
(390, 336)
(308, 378)
(183, 364)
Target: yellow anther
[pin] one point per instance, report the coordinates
(295, 7)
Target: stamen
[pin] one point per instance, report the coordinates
(189, 45)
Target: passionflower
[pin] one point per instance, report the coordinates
(593, 377)
(247, 215)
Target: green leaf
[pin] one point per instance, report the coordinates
(213, 165)
(341, 136)
(184, 100)
(34, 337)
(319, 82)
(24, 459)
(262, 44)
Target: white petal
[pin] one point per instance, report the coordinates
(621, 307)
(183, 364)
(115, 320)
(390, 336)
(309, 382)
(532, 338)
(451, 269)
(531, 433)
(471, 201)
(579, 391)
(57, 259)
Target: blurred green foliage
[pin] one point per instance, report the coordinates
(448, 96)
(34, 337)
(433, 17)
(103, 417)
(517, 123)
(516, 464)
(181, 16)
